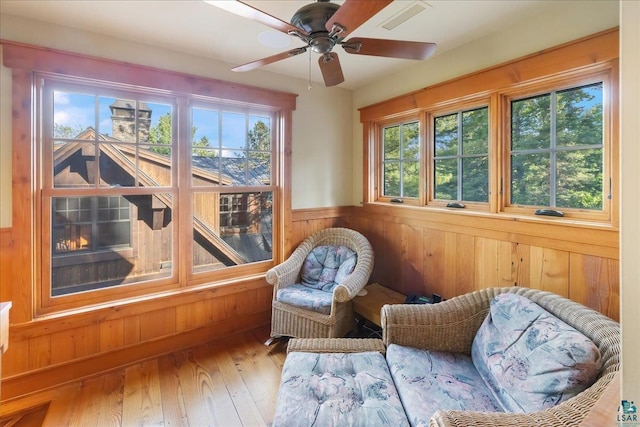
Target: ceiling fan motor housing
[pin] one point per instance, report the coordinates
(312, 18)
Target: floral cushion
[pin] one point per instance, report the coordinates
(530, 359)
(430, 380)
(305, 297)
(327, 266)
(337, 389)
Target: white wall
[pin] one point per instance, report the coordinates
(630, 196)
(322, 128)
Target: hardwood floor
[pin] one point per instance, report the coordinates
(229, 382)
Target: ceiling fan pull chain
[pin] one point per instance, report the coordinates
(309, 81)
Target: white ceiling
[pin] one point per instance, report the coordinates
(198, 28)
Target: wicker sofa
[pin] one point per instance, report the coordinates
(448, 327)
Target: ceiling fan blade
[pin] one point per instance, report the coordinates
(269, 59)
(354, 13)
(389, 48)
(246, 11)
(331, 69)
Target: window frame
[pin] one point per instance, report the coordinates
(446, 98)
(557, 84)
(30, 64)
(459, 106)
(379, 159)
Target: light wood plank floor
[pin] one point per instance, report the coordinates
(228, 382)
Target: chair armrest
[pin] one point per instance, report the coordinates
(447, 326)
(287, 272)
(335, 345)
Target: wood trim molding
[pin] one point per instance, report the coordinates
(321, 213)
(590, 50)
(28, 57)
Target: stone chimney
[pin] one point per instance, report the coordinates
(124, 123)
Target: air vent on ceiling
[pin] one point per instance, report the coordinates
(405, 14)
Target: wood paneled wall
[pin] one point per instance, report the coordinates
(426, 252)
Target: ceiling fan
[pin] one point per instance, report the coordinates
(323, 25)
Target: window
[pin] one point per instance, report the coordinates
(90, 223)
(557, 149)
(401, 155)
(461, 159)
(544, 146)
(127, 171)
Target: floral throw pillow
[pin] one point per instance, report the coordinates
(530, 359)
(327, 266)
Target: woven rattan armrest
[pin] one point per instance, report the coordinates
(335, 345)
(447, 326)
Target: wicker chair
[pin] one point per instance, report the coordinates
(451, 326)
(291, 321)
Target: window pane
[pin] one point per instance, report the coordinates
(530, 179)
(401, 151)
(411, 179)
(392, 179)
(461, 144)
(446, 179)
(579, 120)
(259, 133)
(206, 128)
(579, 182)
(73, 164)
(410, 141)
(96, 253)
(391, 143)
(259, 168)
(231, 229)
(475, 179)
(234, 131)
(154, 166)
(118, 165)
(475, 131)
(446, 135)
(73, 115)
(531, 123)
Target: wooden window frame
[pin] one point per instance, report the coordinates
(29, 64)
(569, 65)
(569, 80)
(456, 106)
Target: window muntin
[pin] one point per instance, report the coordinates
(401, 160)
(114, 153)
(557, 156)
(461, 159)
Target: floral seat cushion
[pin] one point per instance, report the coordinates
(530, 359)
(305, 297)
(337, 389)
(324, 268)
(428, 381)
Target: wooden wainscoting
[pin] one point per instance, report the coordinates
(425, 251)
